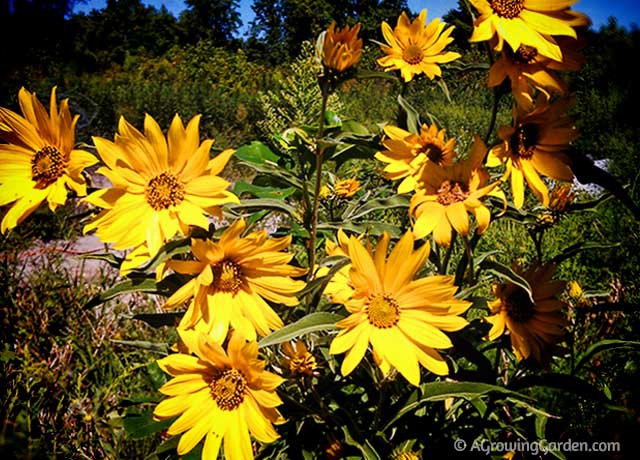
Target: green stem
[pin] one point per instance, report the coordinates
(447, 256)
(469, 251)
(316, 194)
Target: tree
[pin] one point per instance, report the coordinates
(214, 20)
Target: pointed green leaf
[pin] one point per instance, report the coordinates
(313, 322)
(507, 274)
(139, 426)
(605, 345)
(256, 152)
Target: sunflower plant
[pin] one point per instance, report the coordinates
(347, 301)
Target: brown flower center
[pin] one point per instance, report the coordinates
(433, 152)
(452, 192)
(47, 166)
(304, 364)
(525, 54)
(164, 191)
(507, 8)
(524, 140)
(519, 306)
(383, 311)
(412, 54)
(228, 389)
(227, 276)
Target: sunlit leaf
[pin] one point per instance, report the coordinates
(256, 152)
(313, 322)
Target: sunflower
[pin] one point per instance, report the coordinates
(535, 322)
(38, 162)
(160, 187)
(408, 154)
(346, 188)
(536, 145)
(527, 22)
(298, 358)
(341, 48)
(219, 395)
(234, 279)
(400, 317)
(415, 48)
(527, 69)
(449, 193)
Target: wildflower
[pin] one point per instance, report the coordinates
(38, 161)
(527, 22)
(536, 145)
(575, 291)
(401, 318)
(346, 188)
(534, 322)
(528, 70)
(414, 47)
(298, 358)
(449, 193)
(160, 187)
(234, 279)
(408, 154)
(341, 48)
(219, 396)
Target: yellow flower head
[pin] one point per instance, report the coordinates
(38, 161)
(341, 48)
(234, 279)
(415, 47)
(536, 145)
(409, 156)
(220, 396)
(527, 22)
(298, 359)
(535, 322)
(346, 188)
(160, 186)
(575, 291)
(401, 318)
(529, 70)
(449, 194)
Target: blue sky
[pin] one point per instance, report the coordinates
(626, 11)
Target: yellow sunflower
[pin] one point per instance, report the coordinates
(535, 324)
(298, 359)
(415, 48)
(341, 48)
(449, 193)
(160, 187)
(536, 145)
(408, 154)
(527, 69)
(346, 188)
(527, 22)
(38, 161)
(400, 317)
(219, 396)
(234, 279)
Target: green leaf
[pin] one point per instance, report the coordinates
(568, 383)
(172, 248)
(273, 170)
(320, 283)
(107, 257)
(144, 345)
(506, 273)
(139, 426)
(413, 117)
(366, 449)
(124, 287)
(267, 203)
(257, 153)
(261, 191)
(605, 345)
(396, 201)
(439, 391)
(374, 228)
(579, 247)
(313, 322)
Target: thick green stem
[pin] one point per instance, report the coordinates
(311, 250)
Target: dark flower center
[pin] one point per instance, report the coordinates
(524, 140)
(519, 306)
(525, 54)
(412, 54)
(507, 8)
(227, 276)
(433, 152)
(228, 389)
(47, 166)
(164, 191)
(452, 192)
